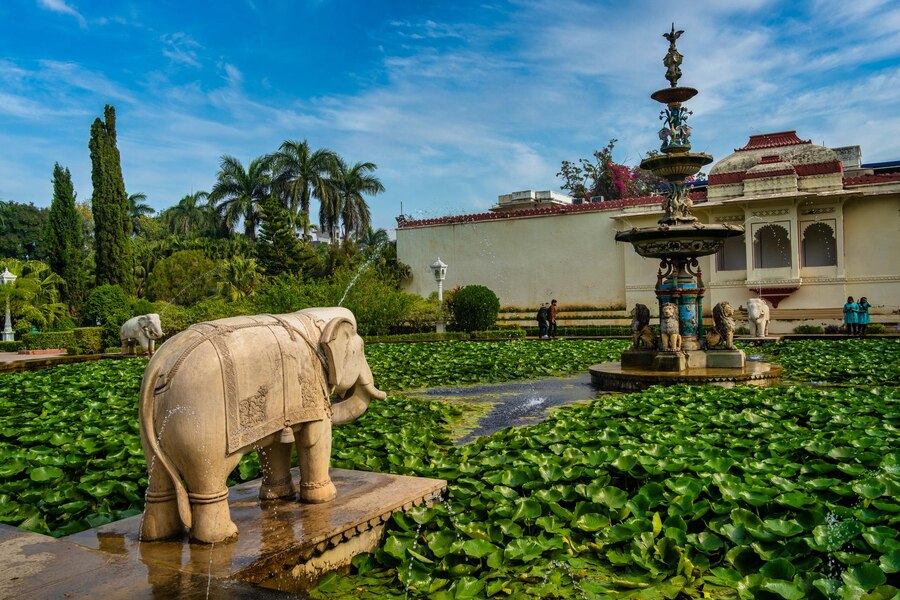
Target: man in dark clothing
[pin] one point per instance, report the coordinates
(552, 330)
(543, 315)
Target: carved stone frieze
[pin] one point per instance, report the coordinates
(771, 213)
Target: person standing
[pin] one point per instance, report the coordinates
(543, 315)
(851, 315)
(552, 329)
(864, 307)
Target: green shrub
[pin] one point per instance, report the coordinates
(742, 331)
(809, 329)
(876, 328)
(88, 340)
(475, 308)
(50, 340)
(108, 307)
(507, 333)
(429, 336)
(587, 331)
(12, 346)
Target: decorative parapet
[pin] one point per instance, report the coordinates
(405, 223)
(871, 179)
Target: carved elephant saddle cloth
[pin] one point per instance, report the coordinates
(271, 372)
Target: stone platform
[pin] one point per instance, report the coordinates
(282, 548)
(612, 376)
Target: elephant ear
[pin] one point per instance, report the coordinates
(336, 343)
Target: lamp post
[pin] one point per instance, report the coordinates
(7, 278)
(439, 269)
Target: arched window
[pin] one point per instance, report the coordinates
(819, 245)
(771, 247)
(732, 256)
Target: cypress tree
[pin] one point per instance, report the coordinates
(112, 224)
(65, 238)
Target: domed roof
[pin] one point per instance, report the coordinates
(771, 155)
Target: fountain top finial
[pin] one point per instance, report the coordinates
(673, 58)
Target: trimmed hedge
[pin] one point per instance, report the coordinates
(49, 340)
(508, 333)
(589, 330)
(13, 346)
(88, 340)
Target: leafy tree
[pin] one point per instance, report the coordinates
(23, 231)
(185, 278)
(238, 278)
(107, 306)
(191, 216)
(112, 234)
(475, 308)
(604, 177)
(137, 208)
(238, 192)
(300, 173)
(65, 240)
(278, 248)
(348, 206)
(34, 296)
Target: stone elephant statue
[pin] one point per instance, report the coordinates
(758, 317)
(143, 330)
(223, 388)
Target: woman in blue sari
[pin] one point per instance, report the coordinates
(864, 307)
(851, 315)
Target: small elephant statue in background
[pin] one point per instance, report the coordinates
(143, 330)
(221, 389)
(670, 335)
(758, 317)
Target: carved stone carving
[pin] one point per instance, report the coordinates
(668, 328)
(758, 317)
(723, 327)
(642, 335)
(219, 390)
(141, 331)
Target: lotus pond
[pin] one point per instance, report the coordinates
(784, 492)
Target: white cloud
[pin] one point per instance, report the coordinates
(60, 6)
(181, 49)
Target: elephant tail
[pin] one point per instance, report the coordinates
(148, 431)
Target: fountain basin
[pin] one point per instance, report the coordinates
(613, 377)
(676, 166)
(679, 241)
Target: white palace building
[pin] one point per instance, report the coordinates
(820, 226)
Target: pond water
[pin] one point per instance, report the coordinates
(517, 403)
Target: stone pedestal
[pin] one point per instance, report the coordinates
(669, 361)
(641, 358)
(725, 359)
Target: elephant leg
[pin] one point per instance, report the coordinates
(151, 347)
(209, 500)
(275, 460)
(160, 520)
(314, 455)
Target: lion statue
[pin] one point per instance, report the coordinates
(723, 327)
(758, 317)
(641, 334)
(668, 328)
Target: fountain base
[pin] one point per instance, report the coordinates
(725, 368)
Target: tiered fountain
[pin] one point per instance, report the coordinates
(678, 241)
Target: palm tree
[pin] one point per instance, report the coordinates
(190, 215)
(300, 174)
(351, 208)
(34, 295)
(374, 238)
(238, 278)
(137, 208)
(238, 192)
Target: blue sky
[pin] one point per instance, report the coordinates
(456, 102)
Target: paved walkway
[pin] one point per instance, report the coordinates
(8, 357)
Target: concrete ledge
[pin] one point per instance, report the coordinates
(282, 549)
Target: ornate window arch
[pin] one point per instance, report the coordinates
(733, 255)
(771, 246)
(819, 245)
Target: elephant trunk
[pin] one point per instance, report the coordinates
(356, 403)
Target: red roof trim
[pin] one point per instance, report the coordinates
(772, 140)
(870, 179)
(726, 178)
(768, 160)
(559, 209)
(825, 168)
